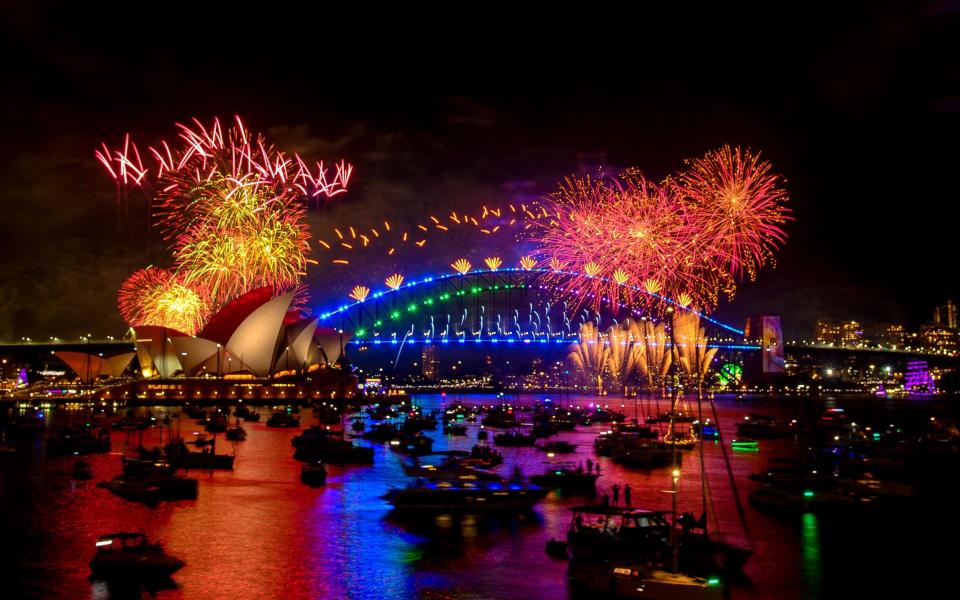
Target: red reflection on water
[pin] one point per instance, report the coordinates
(258, 532)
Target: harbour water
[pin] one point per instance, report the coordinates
(258, 532)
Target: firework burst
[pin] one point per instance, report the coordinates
(691, 236)
(155, 296)
(231, 206)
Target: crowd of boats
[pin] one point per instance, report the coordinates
(630, 551)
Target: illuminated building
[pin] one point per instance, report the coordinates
(946, 315)
(838, 333)
(430, 362)
(826, 332)
(887, 335)
(939, 339)
(255, 347)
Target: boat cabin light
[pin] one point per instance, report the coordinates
(102, 543)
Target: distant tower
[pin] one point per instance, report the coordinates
(766, 332)
(430, 362)
(946, 315)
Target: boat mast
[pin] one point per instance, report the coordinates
(698, 380)
(675, 473)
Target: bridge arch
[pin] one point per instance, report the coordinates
(509, 305)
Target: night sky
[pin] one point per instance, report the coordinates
(858, 106)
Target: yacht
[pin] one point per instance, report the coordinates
(144, 481)
(567, 480)
(313, 474)
(465, 495)
(131, 556)
(282, 419)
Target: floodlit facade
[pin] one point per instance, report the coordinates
(256, 336)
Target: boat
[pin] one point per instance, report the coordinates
(458, 495)
(382, 432)
(131, 556)
(236, 434)
(216, 422)
(415, 423)
(483, 457)
(82, 471)
(600, 532)
(282, 419)
(557, 548)
(415, 444)
(30, 422)
(313, 473)
(558, 447)
(644, 453)
(182, 457)
(779, 502)
(636, 580)
(567, 480)
(482, 435)
(454, 429)
(318, 444)
(79, 440)
(147, 482)
(195, 412)
(756, 426)
(130, 423)
(358, 425)
(453, 465)
(514, 438)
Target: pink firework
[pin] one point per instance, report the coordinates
(626, 238)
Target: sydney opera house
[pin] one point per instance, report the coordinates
(254, 348)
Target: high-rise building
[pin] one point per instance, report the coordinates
(838, 333)
(430, 362)
(888, 335)
(827, 331)
(946, 315)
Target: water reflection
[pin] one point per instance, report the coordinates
(257, 531)
(810, 553)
